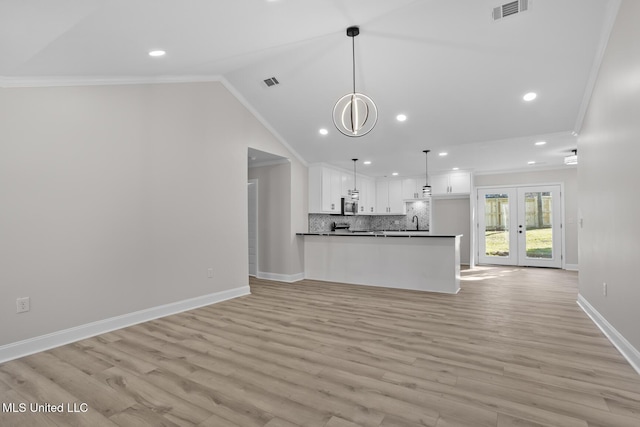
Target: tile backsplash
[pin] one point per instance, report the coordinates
(322, 222)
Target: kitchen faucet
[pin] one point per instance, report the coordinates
(415, 219)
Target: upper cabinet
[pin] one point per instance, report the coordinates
(412, 188)
(389, 198)
(327, 185)
(331, 189)
(451, 184)
(325, 189)
(367, 202)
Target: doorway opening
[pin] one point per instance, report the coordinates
(269, 224)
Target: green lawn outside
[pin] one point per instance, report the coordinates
(538, 243)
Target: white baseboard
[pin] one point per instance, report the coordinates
(571, 267)
(620, 342)
(289, 278)
(67, 336)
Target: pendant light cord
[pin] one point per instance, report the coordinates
(353, 56)
(355, 187)
(426, 167)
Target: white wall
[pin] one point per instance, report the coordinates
(118, 198)
(452, 216)
(608, 176)
(569, 177)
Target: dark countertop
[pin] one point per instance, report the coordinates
(407, 233)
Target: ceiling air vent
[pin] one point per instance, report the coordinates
(511, 8)
(271, 81)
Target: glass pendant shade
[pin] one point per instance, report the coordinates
(426, 191)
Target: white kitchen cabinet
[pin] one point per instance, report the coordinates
(412, 188)
(439, 184)
(389, 198)
(326, 187)
(331, 188)
(460, 183)
(454, 183)
(346, 184)
(367, 202)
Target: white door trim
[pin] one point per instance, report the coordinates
(476, 228)
(253, 204)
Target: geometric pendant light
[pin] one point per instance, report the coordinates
(355, 114)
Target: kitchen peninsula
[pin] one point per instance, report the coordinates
(394, 259)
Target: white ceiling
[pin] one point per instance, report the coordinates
(458, 75)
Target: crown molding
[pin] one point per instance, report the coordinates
(60, 81)
(529, 169)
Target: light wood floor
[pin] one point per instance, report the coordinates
(512, 349)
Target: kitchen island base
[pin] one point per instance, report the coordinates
(429, 263)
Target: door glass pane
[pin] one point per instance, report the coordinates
(539, 234)
(496, 219)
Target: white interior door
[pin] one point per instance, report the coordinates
(520, 226)
(253, 226)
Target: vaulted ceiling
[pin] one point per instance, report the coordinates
(455, 72)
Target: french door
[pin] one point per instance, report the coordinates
(520, 226)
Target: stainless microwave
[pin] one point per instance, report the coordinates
(348, 206)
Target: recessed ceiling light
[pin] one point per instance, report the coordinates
(541, 142)
(443, 154)
(455, 169)
(531, 162)
(395, 174)
(367, 162)
(530, 96)
(323, 131)
(401, 117)
(157, 53)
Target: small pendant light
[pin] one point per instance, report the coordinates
(355, 114)
(355, 194)
(426, 189)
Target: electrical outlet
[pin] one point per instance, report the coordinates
(604, 288)
(23, 305)
(210, 273)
